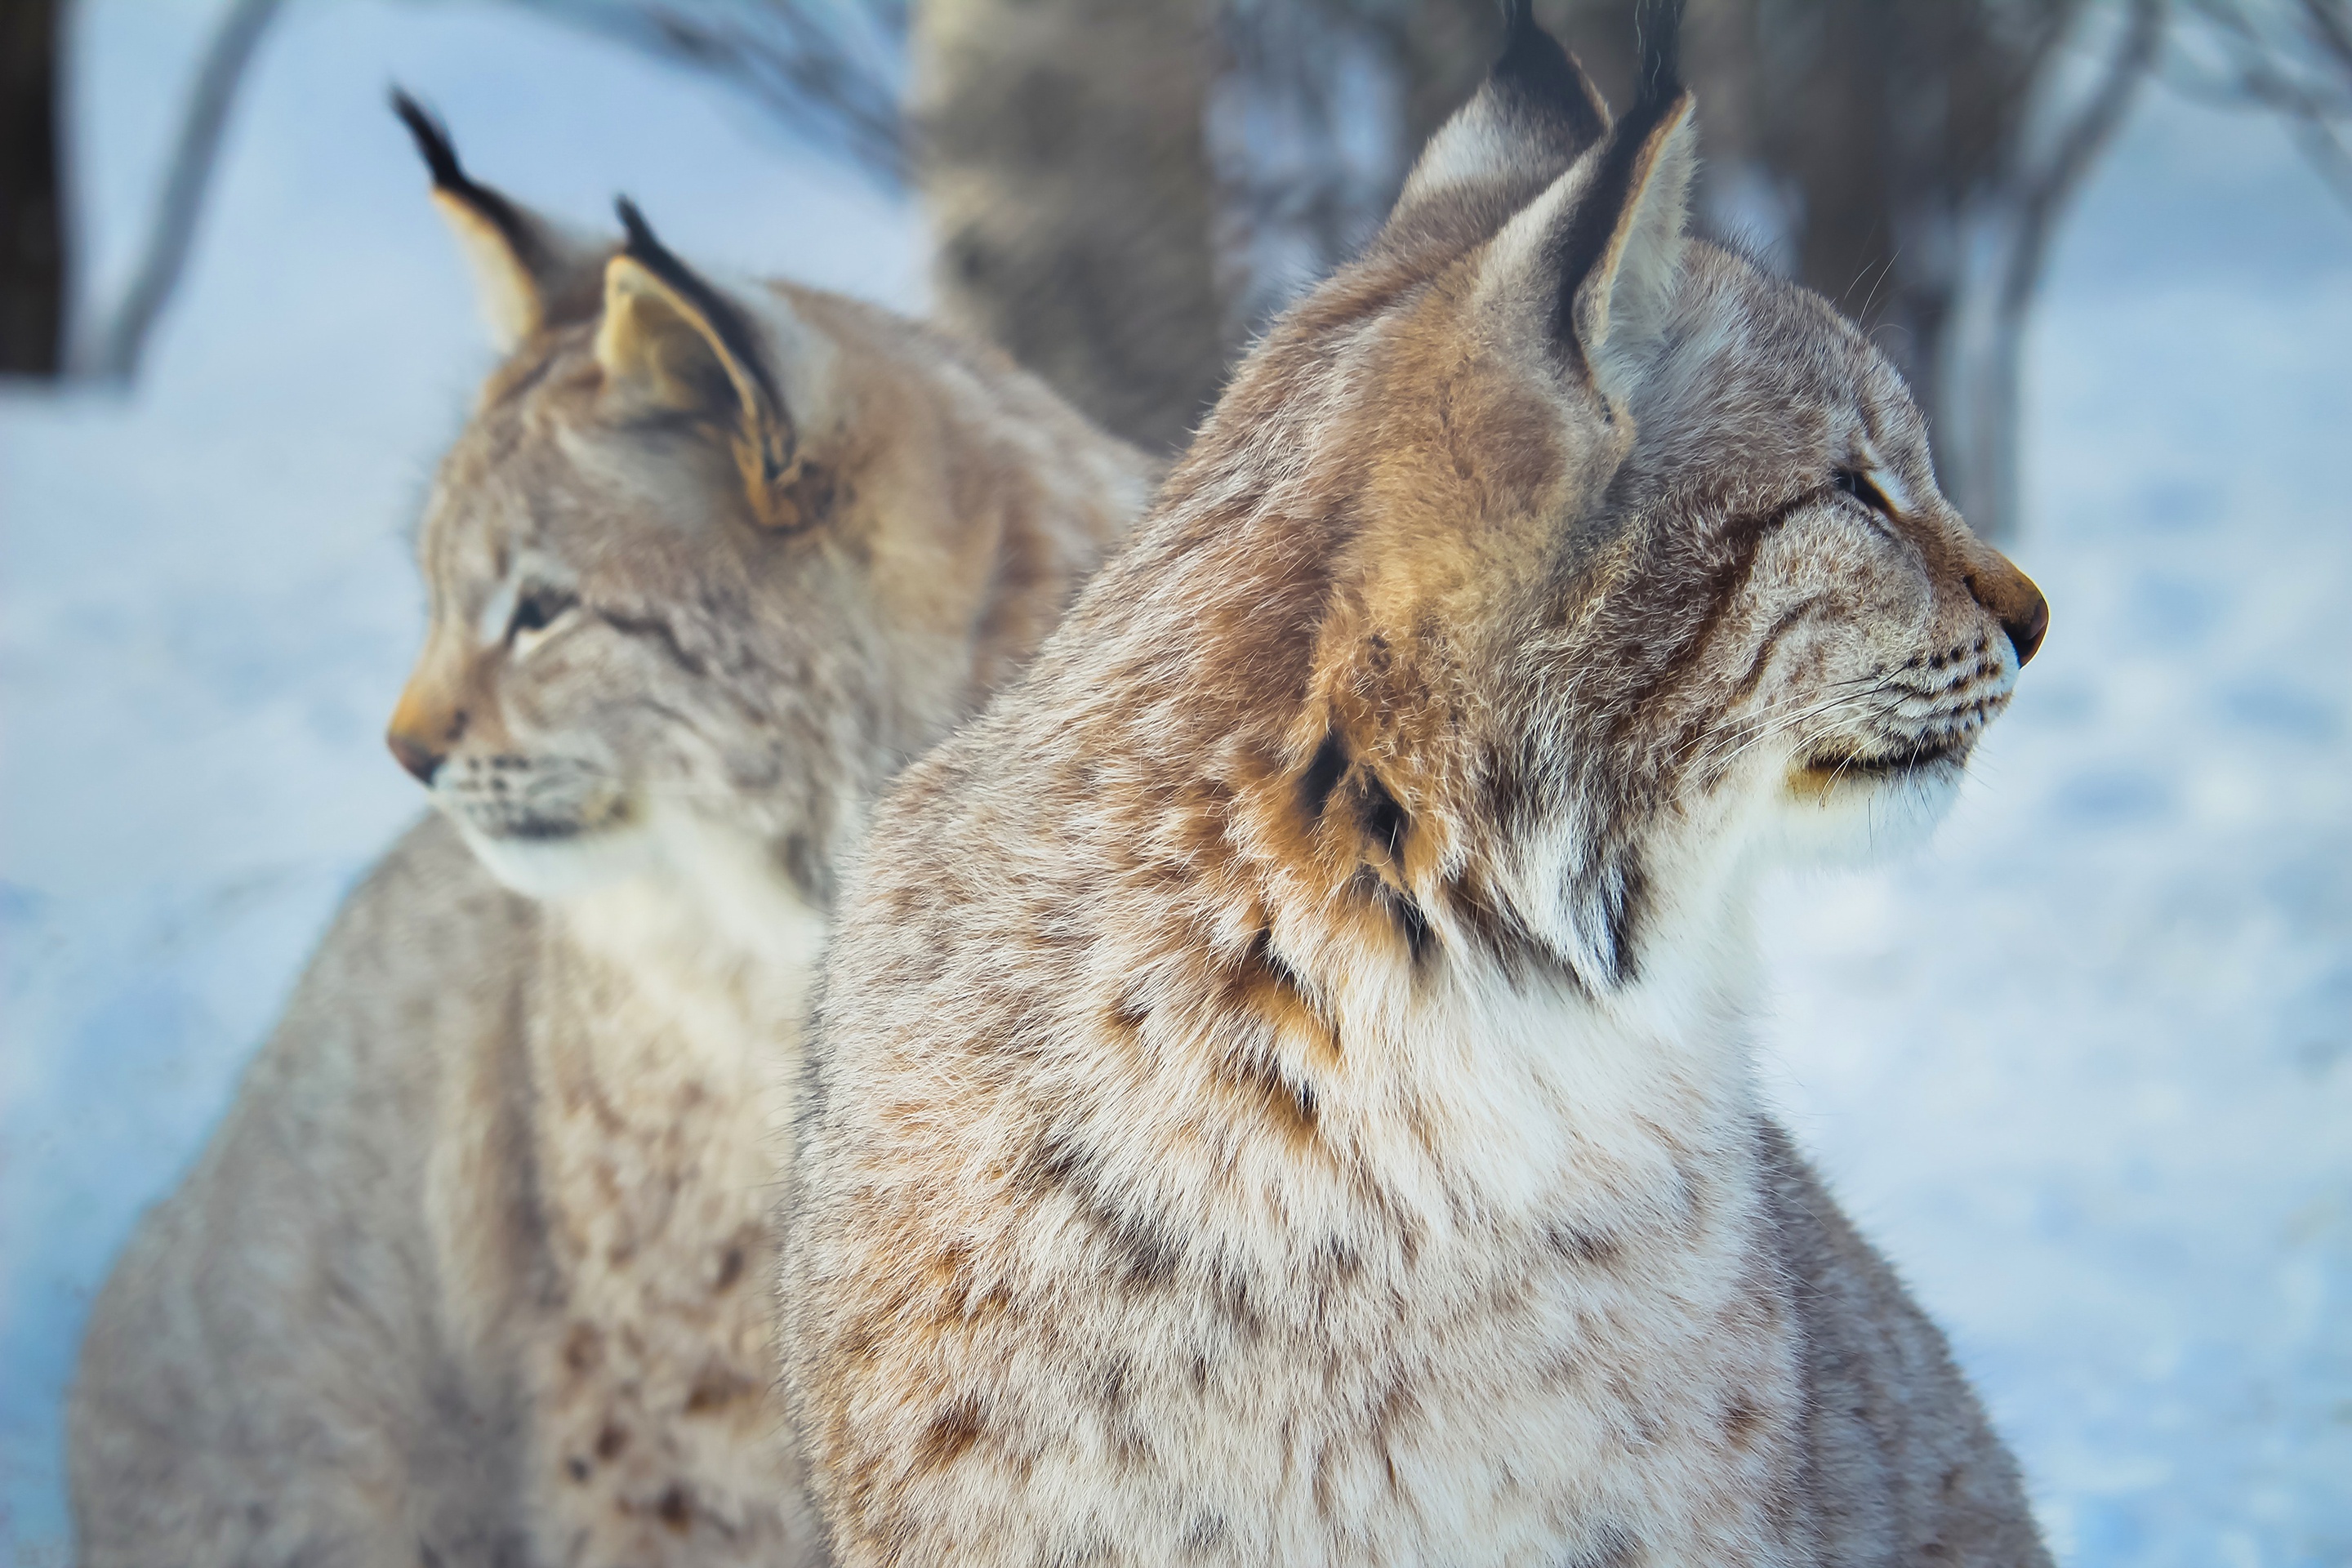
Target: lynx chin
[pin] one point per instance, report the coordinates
(479, 1269)
(1283, 1093)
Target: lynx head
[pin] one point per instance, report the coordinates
(1616, 560)
(705, 563)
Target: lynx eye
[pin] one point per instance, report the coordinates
(1858, 485)
(536, 610)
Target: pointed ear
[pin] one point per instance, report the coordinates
(1534, 115)
(671, 346)
(1591, 265)
(524, 266)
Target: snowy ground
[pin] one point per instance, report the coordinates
(2085, 1070)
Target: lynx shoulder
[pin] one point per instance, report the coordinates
(1282, 1092)
(478, 1267)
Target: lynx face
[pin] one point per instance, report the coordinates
(1814, 639)
(1629, 562)
(705, 565)
(624, 671)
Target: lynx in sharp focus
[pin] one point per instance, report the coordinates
(1283, 1094)
(479, 1269)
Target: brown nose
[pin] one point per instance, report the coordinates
(425, 725)
(2014, 600)
(2026, 627)
(418, 759)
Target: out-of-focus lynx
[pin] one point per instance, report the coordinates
(1283, 1093)
(478, 1267)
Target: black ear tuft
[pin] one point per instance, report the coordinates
(1658, 36)
(432, 142)
(522, 236)
(1541, 78)
(734, 333)
(641, 242)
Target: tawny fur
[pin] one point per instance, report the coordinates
(1282, 1091)
(478, 1267)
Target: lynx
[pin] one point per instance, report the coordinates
(1283, 1093)
(478, 1267)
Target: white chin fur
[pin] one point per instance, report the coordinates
(724, 871)
(1862, 822)
(561, 867)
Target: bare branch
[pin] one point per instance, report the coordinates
(2295, 63)
(2042, 197)
(193, 160)
(2046, 192)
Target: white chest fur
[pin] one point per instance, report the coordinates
(1513, 1301)
(663, 1057)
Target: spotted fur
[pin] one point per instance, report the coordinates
(1283, 1092)
(477, 1269)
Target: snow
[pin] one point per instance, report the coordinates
(2085, 1070)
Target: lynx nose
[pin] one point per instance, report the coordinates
(2026, 627)
(423, 726)
(420, 759)
(2014, 600)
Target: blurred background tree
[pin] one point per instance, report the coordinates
(1124, 191)
(32, 219)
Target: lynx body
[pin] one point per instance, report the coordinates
(479, 1269)
(1283, 1092)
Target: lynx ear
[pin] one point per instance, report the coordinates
(1593, 263)
(1534, 115)
(671, 345)
(522, 264)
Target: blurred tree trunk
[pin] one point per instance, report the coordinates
(32, 214)
(1059, 146)
(1123, 191)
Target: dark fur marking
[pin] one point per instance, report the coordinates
(951, 1432)
(1516, 949)
(810, 492)
(1610, 898)
(1399, 908)
(807, 871)
(1252, 1066)
(1740, 1422)
(660, 631)
(1111, 1388)
(1579, 1245)
(1229, 1289)
(583, 1347)
(1384, 819)
(673, 1509)
(1611, 1547)
(1323, 774)
(1146, 1255)
(1746, 536)
(715, 1387)
(1205, 1533)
